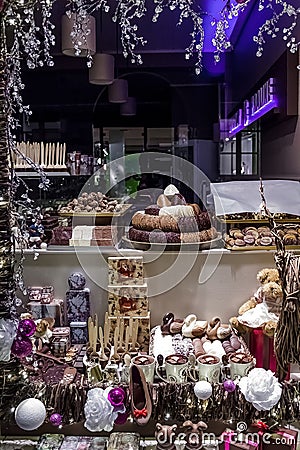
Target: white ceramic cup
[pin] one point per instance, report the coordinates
(147, 364)
(240, 365)
(176, 368)
(209, 368)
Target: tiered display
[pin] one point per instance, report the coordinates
(128, 310)
(78, 308)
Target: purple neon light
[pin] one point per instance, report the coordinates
(271, 104)
(237, 129)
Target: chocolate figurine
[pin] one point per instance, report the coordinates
(165, 436)
(193, 434)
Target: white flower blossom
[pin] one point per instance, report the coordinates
(99, 412)
(261, 388)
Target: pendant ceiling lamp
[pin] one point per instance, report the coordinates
(118, 91)
(103, 69)
(82, 44)
(128, 108)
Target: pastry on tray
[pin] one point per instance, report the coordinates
(172, 221)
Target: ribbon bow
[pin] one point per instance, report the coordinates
(140, 413)
(262, 426)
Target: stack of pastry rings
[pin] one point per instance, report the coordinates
(171, 229)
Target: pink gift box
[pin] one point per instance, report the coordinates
(231, 440)
(282, 439)
(262, 348)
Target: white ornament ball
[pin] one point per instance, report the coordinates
(30, 414)
(203, 390)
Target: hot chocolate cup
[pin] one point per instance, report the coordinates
(209, 368)
(240, 364)
(176, 369)
(147, 364)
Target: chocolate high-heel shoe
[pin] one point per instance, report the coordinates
(141, 405)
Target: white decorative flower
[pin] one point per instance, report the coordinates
(99, 412)
(261, 388)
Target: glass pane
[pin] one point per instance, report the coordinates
(227, 164)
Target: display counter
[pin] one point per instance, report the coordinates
(227, 279)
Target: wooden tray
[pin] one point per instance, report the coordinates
(246, 248)
(100, 218)
(256, 221)
(155, 246)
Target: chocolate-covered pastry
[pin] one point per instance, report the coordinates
(240, 242)
(163, 201)
(195, 223)
(156, 236)
(249, 240)
(198, 347)
(233, 230)
(238, 235)
(235, 342)
(150, 222)
(138, 235)
(153, 210)
(188, 224)
(178, 199)
(173, 238)
(290, 239)
(196, 208)
(203, 220)
(201, 236)
(168, 223)
(265, 241)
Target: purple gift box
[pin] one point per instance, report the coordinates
(53, 309)
(79, 332)
(77, 305)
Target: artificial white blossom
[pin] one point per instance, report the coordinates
(99, 413)
(261, 388)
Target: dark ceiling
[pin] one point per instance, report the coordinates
(166, 87)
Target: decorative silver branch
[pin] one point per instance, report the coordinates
(271, 26)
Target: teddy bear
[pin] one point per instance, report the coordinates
(43, 332)
(263, 308)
